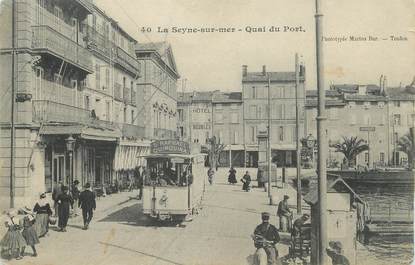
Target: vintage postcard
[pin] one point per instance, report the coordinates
(207, 132)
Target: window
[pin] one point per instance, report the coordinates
(253, 134)
(411, 120)
(132, 117)
(281, 133)
(98, 77)
(397, 119)
(234, 117)
(382, 158)
(87, 105)
(125, 115)
(397, 103)
(235, 137)
(107, 78)
(259, 113)
(366, 157)
(180, 112)
(254, 92)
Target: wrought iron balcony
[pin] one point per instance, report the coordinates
(48, 40)
(49, 111)
(126, 61)
(131, 131)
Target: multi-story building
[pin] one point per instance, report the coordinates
(157, 86)
(74, 76)
(227, 113)
(195, 121)
(282, 100)
(368, 112)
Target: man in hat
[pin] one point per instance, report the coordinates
(57, 190)
(285, 215)
(298, 224)
(75, 196)
(334, 251)
(87, 204)
(270, 234)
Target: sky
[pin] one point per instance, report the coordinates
(212, 61)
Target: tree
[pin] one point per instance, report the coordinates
(350, 147)
(215, 147)
(405, 144)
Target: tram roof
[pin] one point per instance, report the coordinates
(186, 156)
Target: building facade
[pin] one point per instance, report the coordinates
(76, 99)
(157, 86)
(282, 101)
(377, 115)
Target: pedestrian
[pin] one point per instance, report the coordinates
(211, 174)
(284, 213)
(75, 196)
(299, 224)
(131, 182)
(270, 234)
(43, 213)
(140, 182)
(87, 204)
(57, 190)
(246, 180)
(335, 252)
(232, 176)
(65, 202)
(260, 178)
(29, 232)
(13, 239)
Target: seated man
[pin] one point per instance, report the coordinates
(299, 224)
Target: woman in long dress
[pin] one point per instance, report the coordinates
(43, 212)
(65, 203)
(232, 176)
(29, 232)
(13, 239)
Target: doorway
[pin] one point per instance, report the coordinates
(59, 169)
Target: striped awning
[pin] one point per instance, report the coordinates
(128, 157)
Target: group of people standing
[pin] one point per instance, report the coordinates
(26, 226)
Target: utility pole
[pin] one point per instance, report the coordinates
(269, 141)
(322, 140)
(297, 133)
(13, 100)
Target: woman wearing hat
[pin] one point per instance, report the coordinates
(29, 232)
(65, 202)
(13, 239)
(43, 212)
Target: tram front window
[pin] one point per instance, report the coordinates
(164, 172)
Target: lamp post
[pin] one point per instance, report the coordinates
(70, 145)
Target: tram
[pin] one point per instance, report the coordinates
(174, 181)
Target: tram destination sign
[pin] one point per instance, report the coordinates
(170, 147)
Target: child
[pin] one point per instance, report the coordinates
(29, 232)
(13, 239)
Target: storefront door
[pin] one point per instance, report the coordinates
(59, 169)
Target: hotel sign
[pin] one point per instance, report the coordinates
(170, 147)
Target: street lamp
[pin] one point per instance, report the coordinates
(70, 146)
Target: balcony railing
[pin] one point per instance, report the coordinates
(126, 61)
(131, 131)
(49, 111)
(98, 41)
(118, 92)
(45, 17)
(164, 133)
(49, 40)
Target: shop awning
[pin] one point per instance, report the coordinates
(128, 157)
(83, 131)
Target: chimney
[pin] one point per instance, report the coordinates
(264, 70)
(244, 70)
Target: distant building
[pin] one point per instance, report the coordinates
(283, 113)
(377, 115)
(157, 86)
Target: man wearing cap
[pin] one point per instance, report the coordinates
(285, 215)
(87, 204)
(298, 224)
(334, 251)
(270, 233)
